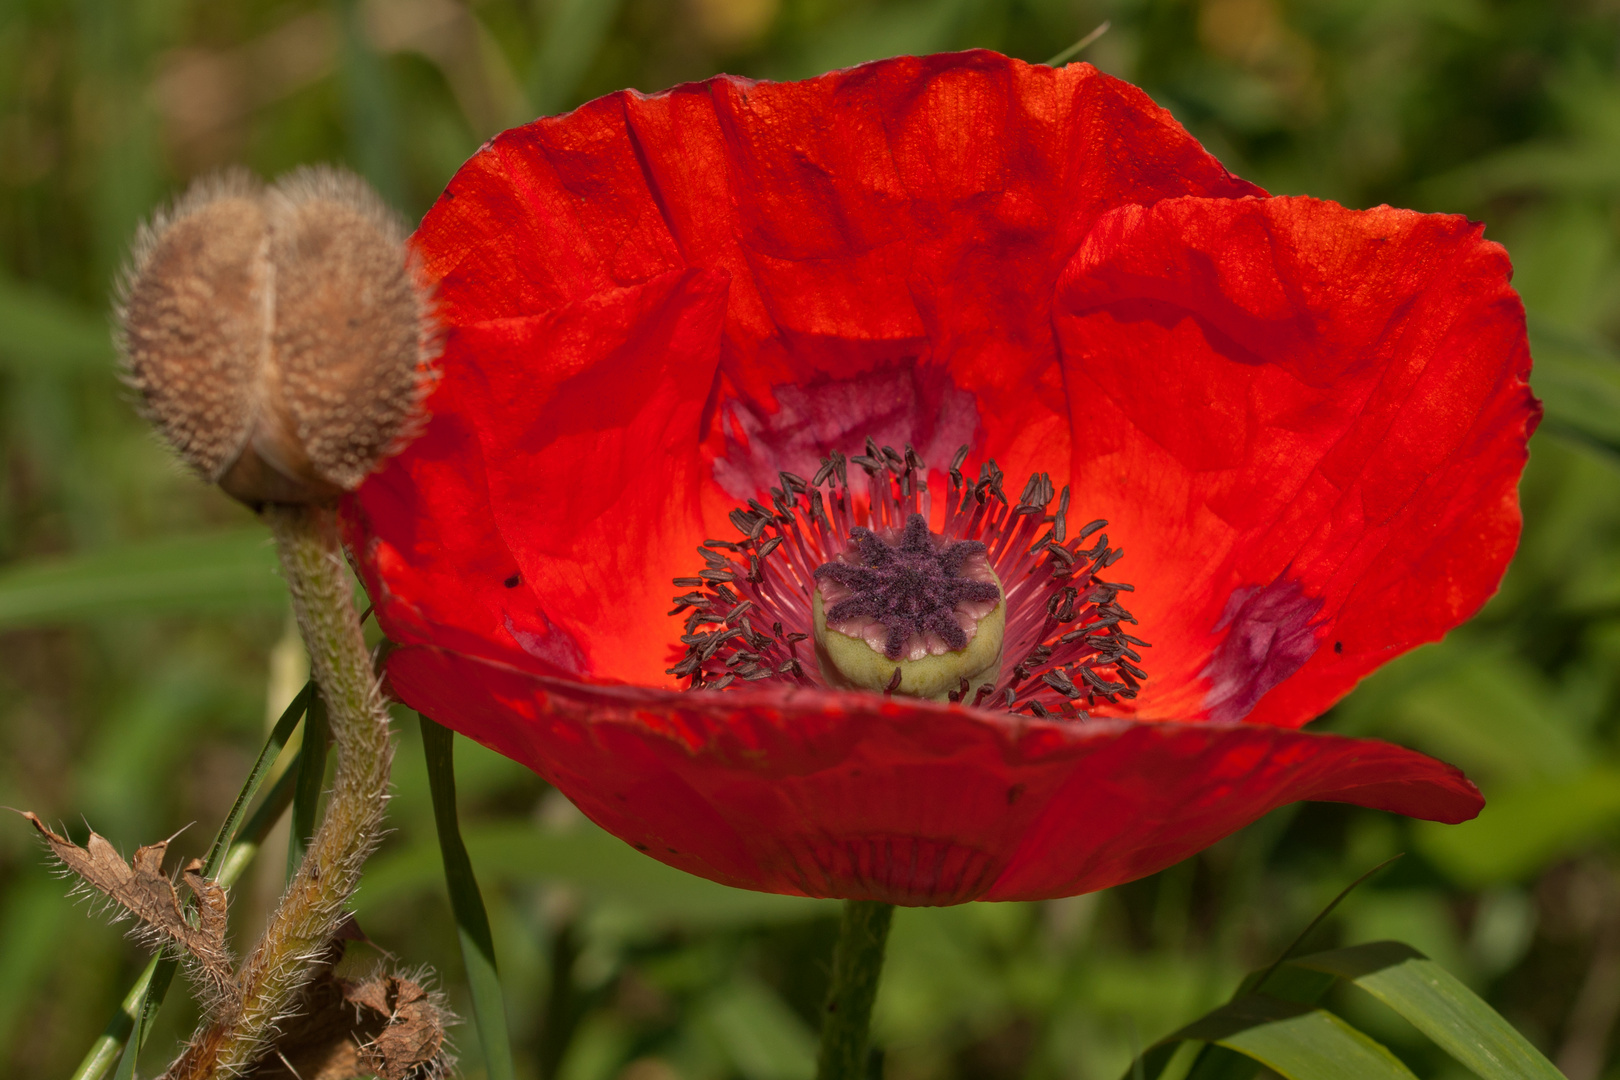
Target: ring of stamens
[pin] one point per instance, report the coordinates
(748, 611)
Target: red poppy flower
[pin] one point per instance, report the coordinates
(1304, 423)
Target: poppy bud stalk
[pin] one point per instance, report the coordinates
(281, 344)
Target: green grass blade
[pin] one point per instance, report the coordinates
(1310, 1045)
(1295, 1040)
(1078, 47)
(224, 571)
(472, 923)
(1436, 1003)
(279, 735)
(164, 965)
(231, 853)
(1256, 984)
(241, 852)
(105, 1052)
(311, 778)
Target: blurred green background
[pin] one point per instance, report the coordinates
(143, 633)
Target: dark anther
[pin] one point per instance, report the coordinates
(911, 587)
(894, 683)
(961, 456)
(1061, 606)
(512, 582)
(722, 682)
(1090, 528)
(688, 583)
(1040, 710)
(769, 546)
(1060, 681)
(822, 473)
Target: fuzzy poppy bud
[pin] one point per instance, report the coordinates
(278, 337)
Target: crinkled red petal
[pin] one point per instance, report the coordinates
(1306, 425)
(655, 302)
(858, 795)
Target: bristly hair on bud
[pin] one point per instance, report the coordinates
(279, 338)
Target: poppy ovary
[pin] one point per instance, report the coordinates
(278, 338)
(1000, 609)
(909, 613)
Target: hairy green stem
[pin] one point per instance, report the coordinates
(270, 980)
(846, 1019)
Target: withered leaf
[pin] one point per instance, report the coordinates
(383, 1025)
(141, 889)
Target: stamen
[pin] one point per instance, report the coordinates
(1061, 622)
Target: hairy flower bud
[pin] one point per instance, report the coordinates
(278, 337)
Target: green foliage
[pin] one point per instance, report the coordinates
(467, 902)
(1273, 1020)
(145, 657)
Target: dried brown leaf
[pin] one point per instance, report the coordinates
(383, 1025)
(142, 890)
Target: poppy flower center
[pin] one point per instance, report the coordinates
(830, 587)
(917, 601)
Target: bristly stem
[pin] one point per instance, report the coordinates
(271, 978)
(846, 1019)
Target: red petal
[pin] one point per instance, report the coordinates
(1306, 425)
(892, 235)
(857, 795)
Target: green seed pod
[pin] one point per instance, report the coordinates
(278, 338)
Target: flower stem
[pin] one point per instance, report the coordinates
(857, 966)
(269, 982)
